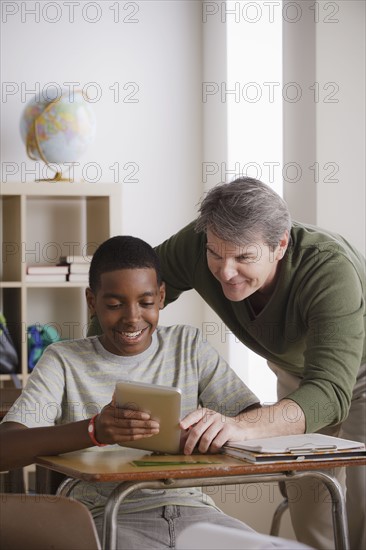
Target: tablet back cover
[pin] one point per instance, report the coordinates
(164, 404)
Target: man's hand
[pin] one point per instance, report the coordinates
(119, 425)
(209, 431)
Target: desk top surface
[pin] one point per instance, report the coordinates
(117, 464)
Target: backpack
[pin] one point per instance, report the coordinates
(9, 361)
(39, 337)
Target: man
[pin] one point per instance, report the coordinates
(294, 294)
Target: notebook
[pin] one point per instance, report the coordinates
(295, 447)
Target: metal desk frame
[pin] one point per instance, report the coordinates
(126, 488)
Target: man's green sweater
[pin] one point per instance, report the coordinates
(313, 325)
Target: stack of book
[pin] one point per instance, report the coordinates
(46, 273)
(295, 447)
(77, 268)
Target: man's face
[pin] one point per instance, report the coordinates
(243, 270)
(127, 305)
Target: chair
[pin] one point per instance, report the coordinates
(12, 481)
(44, 522)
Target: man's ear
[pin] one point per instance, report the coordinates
(90, 300)
(161, 295)
(283, 244)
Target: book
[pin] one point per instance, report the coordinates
(295, 447)
(49, 269)
(74, 258)
(46, 278)
(79, 268)
(78, 278)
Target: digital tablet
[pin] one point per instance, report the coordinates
(164, 405)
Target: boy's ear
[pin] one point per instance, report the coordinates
(90, 300)
(161, 295)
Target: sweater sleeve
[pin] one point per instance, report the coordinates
(178, 257)
(332, 307)
(220, 388)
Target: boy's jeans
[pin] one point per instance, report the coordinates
(159, 528)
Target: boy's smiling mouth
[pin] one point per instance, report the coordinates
(130, 335)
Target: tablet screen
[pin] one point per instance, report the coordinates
(164, 405)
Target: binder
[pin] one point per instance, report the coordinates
(295, 447)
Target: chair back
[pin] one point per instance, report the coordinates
(45, 522)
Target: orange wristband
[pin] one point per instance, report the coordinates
(91, 432)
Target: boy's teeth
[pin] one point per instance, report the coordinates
(132, 334)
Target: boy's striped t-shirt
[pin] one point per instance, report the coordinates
(75, 379)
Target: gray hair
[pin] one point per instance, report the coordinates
(244, 210)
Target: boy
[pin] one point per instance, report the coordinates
(75, 380)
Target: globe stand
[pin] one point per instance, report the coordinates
(57, 177)
(29, 144)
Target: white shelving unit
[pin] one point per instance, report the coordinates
(40, 222)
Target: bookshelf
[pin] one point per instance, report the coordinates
(41, 221)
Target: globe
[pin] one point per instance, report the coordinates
(58, 130)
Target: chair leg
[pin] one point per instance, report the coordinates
(281, 508)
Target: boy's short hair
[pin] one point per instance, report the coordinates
(122, 252)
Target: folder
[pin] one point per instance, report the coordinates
(295, 447)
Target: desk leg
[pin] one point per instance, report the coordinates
(113, 503)
(340, 525)
(67, 486)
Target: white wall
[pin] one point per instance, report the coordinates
(324, 132)
(150, 132)
(340, 128)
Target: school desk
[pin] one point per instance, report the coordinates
(176, 471)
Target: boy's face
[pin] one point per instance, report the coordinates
(127, 305)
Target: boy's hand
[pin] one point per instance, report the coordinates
(209, 431)
(117, 425)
